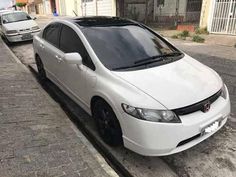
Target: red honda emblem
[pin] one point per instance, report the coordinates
(206, 107)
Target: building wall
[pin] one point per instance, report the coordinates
(104, 7)
(205, 13)
(135, 9)
(66, 7)
(21, 1)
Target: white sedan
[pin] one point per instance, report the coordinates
(17, 26)
(141, 90)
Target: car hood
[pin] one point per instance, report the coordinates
(177, 84)
(20, 25)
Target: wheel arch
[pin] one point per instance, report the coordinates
(111, 104)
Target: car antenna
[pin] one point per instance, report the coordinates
(75, 13)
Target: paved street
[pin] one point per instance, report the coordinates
(213, 157)
(37, 139)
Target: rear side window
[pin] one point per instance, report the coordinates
(70, 42)
(51, 34)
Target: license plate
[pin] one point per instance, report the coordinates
(26, 36)
(212, 127)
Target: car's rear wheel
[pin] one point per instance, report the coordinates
(107, 124)
(41, 71)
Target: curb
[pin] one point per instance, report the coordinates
(13, 55)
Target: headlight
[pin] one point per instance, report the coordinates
(224, 91)
(35, 28)
(151, 114)
(11, 32)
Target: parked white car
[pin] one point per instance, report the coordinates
(141, 90)
(4, 11)
(17, 26)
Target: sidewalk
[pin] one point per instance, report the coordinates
(211, 39)
(215, 50)
(37, 139)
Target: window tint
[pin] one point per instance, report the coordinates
(70, 42)
(120, 45)
(51, 34)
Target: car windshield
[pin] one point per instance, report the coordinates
(128, 46)
(15, 17)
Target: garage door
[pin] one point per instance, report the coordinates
(97, 7)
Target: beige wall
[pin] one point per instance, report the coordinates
(205, 13)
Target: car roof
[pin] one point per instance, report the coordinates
(101, 21)
(12, 11)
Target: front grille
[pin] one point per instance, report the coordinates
(197, 106)
(23, 30)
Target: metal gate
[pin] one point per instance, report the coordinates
(224, 17)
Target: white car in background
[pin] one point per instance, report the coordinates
(17, 26)
(141, 90)
(4, 11)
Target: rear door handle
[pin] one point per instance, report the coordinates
(59, 59)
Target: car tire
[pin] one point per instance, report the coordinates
(107, 124)
(41, 71)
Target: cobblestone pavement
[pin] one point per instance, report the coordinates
(37, 138)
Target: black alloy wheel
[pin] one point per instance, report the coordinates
(107, 124)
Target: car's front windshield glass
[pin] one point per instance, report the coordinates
(126, 46)
(15, 17)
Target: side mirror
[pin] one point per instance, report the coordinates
(73, 58)
(34, 18)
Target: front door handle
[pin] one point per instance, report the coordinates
(59, 59)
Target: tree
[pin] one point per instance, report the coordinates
(20, 4)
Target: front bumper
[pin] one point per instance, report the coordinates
(20, 37)
(158, 139)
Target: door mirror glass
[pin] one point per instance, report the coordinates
(73, 58)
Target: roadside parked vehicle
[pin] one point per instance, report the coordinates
(17, 26)
(141, 90)
(4, 11)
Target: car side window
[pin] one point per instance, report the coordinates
(51, 34)
(70, 42)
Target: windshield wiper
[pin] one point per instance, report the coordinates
(157, 58)
(124, 67)
(149, 60)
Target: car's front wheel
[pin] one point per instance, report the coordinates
(40, 67)
(107, 124)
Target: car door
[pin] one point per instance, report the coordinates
(73, 76)
(49, 50)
